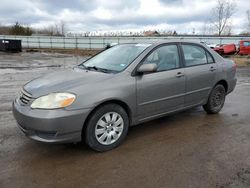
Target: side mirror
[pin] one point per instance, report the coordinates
(146, 68)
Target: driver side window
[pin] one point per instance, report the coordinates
(165, 57)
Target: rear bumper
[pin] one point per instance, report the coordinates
(231, 85)
(51, 126)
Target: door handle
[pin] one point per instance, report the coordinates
(212, 69)
(179, 74)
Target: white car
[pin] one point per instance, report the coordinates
(210, 45)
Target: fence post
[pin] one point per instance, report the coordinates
(64, 42)
(39, 45)
(27, 38)
(89, 43)
(51, 42)
(76, 46)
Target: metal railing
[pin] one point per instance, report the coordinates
(101, 42)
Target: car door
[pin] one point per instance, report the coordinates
(245, 49)
(200, 74)
(161, 91)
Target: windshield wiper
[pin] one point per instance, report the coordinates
(82, 66)
(92, 67)
(95, 68)
(101, 69)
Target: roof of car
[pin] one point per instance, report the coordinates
(157, 42)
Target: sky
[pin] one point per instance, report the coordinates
(95, 15)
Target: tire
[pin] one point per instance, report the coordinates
(106, 128)
(216, 100)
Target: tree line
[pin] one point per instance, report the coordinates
(57, 29)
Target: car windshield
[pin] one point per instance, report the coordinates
(115, 59)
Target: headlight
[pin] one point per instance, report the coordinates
(54, 100)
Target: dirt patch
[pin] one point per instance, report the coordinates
(241, 179)
(241, 60)
(79, 52)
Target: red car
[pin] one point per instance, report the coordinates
(219, 49)
(225, 49)
(244, 47)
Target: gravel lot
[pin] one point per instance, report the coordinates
(189, 149)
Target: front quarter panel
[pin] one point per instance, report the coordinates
(120, 87)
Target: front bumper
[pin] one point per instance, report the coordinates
(52, 126)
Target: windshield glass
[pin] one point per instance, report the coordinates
(115, 59)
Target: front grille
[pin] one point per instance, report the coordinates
(25, 97)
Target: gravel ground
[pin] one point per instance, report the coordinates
(188, 149)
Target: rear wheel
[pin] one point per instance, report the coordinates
(107, 127)
(216, 100)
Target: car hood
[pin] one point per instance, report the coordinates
(62, 81)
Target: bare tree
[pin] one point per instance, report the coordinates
(55, 29)
(221, 15)
(62, 28)
(207, 29)
(4, 30)
(228, 29)
(58, 29)
(49, 30)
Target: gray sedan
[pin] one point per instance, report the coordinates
(122, 86)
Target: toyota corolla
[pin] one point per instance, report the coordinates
(125, 85)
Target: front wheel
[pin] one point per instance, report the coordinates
(216, 100)
(107, 127)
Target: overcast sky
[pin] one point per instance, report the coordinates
(93, 15)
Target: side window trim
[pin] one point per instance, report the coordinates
(208, 53)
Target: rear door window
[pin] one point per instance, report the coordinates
(195, 55)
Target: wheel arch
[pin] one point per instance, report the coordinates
(110, 101)
(224, 83)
